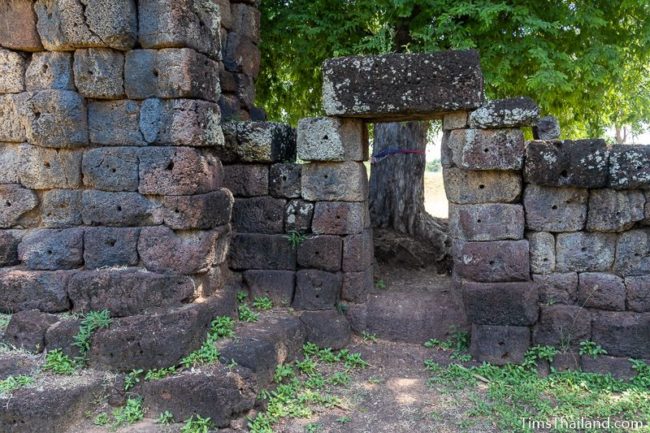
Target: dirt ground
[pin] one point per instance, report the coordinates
(435, 200)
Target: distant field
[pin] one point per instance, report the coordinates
(435, 199)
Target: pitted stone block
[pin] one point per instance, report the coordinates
(202, 211)
(376, 87)
(10, 163)
(61, 208)
(317, 290)
(16, 201)
(547, 128)
(581, 163)
(332, 139)
(357, 285)
(51, 250)
(336, 181)
(22, 36)
(247, 180)
(601, 291)
(50, 70)
(456, 120)
(505, 113)
(12, 72)
(258, 251)
(555, 209)
(492, 261)
(542, 252)
(633, 253)
(115, 123)
(557, 288)
(277, 285)
(477, 149)
(111, 169)
(614, 211)
(340, 218)
(286, 180)
(68, 24)
(562, 326)
(242, 55)
(638, 293)
(28, 290)
(298, 216)
(623, 333)
(486, 222)
(629, 167)
(500, 345)
(585, 252)
(260, 142)
(107, 247)
(321, 252)
(259, 215)
(358, 252)
(99, 73)
(12, 129)
(9, 240)
(50, 168)
(118, 209)
(502, 304)
(470, 187)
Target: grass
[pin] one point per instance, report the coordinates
(130, 413)
(247, 315)
(13, 383)
(58, 362)
(165, 418)
(4, 322)
(296, 238)
(196, 424)
(263, 303)
(90, 323)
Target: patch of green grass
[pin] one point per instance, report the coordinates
(158, 374)
(457, 343)
(296, 238)
(339, 378)
(380, 284)
(13, 383)
(102, 419)
(263, 303)
(132, 379)
(242, 296)
(247, 315)
(344, 420)
(165, 418)
(130, 413)
(589, 348)
(4, 321)
(206, 354)
(59, 363)
(222, 327)
(90, 323)
(369, 337)
(312, 428)
(283, 372)
(196, 424)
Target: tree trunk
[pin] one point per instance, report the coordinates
(397, 194)
(621, 134)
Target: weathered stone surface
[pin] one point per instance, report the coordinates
(629, 167)
(225, 11)
(555, 209)
(162, 250)
(171, 73)
(285, 180)
(202, 211)
(547, 128)
(48, 249)
(619, 367)
(106, 247)
(542, 252)
(338, 181)
(242, 55)
(247, 180)
(23, 37)
(28, 290)
(26, 330)
(61, 336)
(9, 241)
(127, 292)
(500, 345)
(50, 168)
(258, 251)
(61, 208)
(638, 293)
(115, 123)
(557, 288)
(260, 142)
(327, 328)
(633, 253)
(10, 163)
(16, 201)
(16, 364)
(476, 149)
(99, 73)
(501, 303)
(246, 20)
(68, 24)
(581, 163)
(492, 261)
(486, 222)
(178, 171)
(54, 118)
(118, 209)
(614, 211)
(111, 169)
(623, 334)
(456, 120)
(585, 252)
(563, 326)
(375, 87)
(321, 252)
(185, 23)
(340, 218)
(298, 216)
(12, 71)
(332, 139)
(317, 290)
(505, 113)
(259, 215)
(601, 291)
(357, 285)
(50, 70)
(358, 252)
(277, 285)
(12, 129)
(469, 187)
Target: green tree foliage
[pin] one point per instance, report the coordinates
(585, 61)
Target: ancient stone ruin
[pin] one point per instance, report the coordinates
(136, 177)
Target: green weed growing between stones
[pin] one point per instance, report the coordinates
(589, 348)
(165, 418)
(90, 323)
(13, 383)
(247, 315)
(130, 413)
(59, 363)
(196, 424)
(296, 238)
(4, 322)
(132, 379)
(158, 374)
(263, 303)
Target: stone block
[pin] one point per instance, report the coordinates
(242, 55)
(471, 187)
(12, 72)
(48, 249)
(111, 169)
(564, 326)
(10, 163)
(181, 122)
(327, 328)
(246, 20)
(28, 290)
(321, 252)
(247, 180)
(492, 261)
(357, 285)
(615, 211)
(629, 167)
(486, 222)
(358, 252)
(162, 250)
(9, 240)
(338, 181)
(26, 330)
(115, 123)
(500, 304)
(61, 336)
(500, 345)
(601, 291)
(108, 247)
(202, 211)
(547, 128)
(332, 139)
(185, 23)
(622, 333)
(259, 215)
(178, 171)
(505, 113)
(285, 180)
(317, 290)
(340, 218)
(54, 118)
(99, 73)
(16, 201)
(375, 87)
(68, 24)
(298, 216)
(277, 285)
(638, 293)
(260, 142)
(12, 129)
(50, 168)
(555, 209)
(127, 292)
(542, 252)
(171, 73)
(581, 163)
(226, 14)
(258, 251)
(618, 367)
(633, 253)
(118, 209)
(456, 120)
(557, 288)
(61, 208)
(477, 149)
(23, 37)
(50, 70)
(585, 252)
